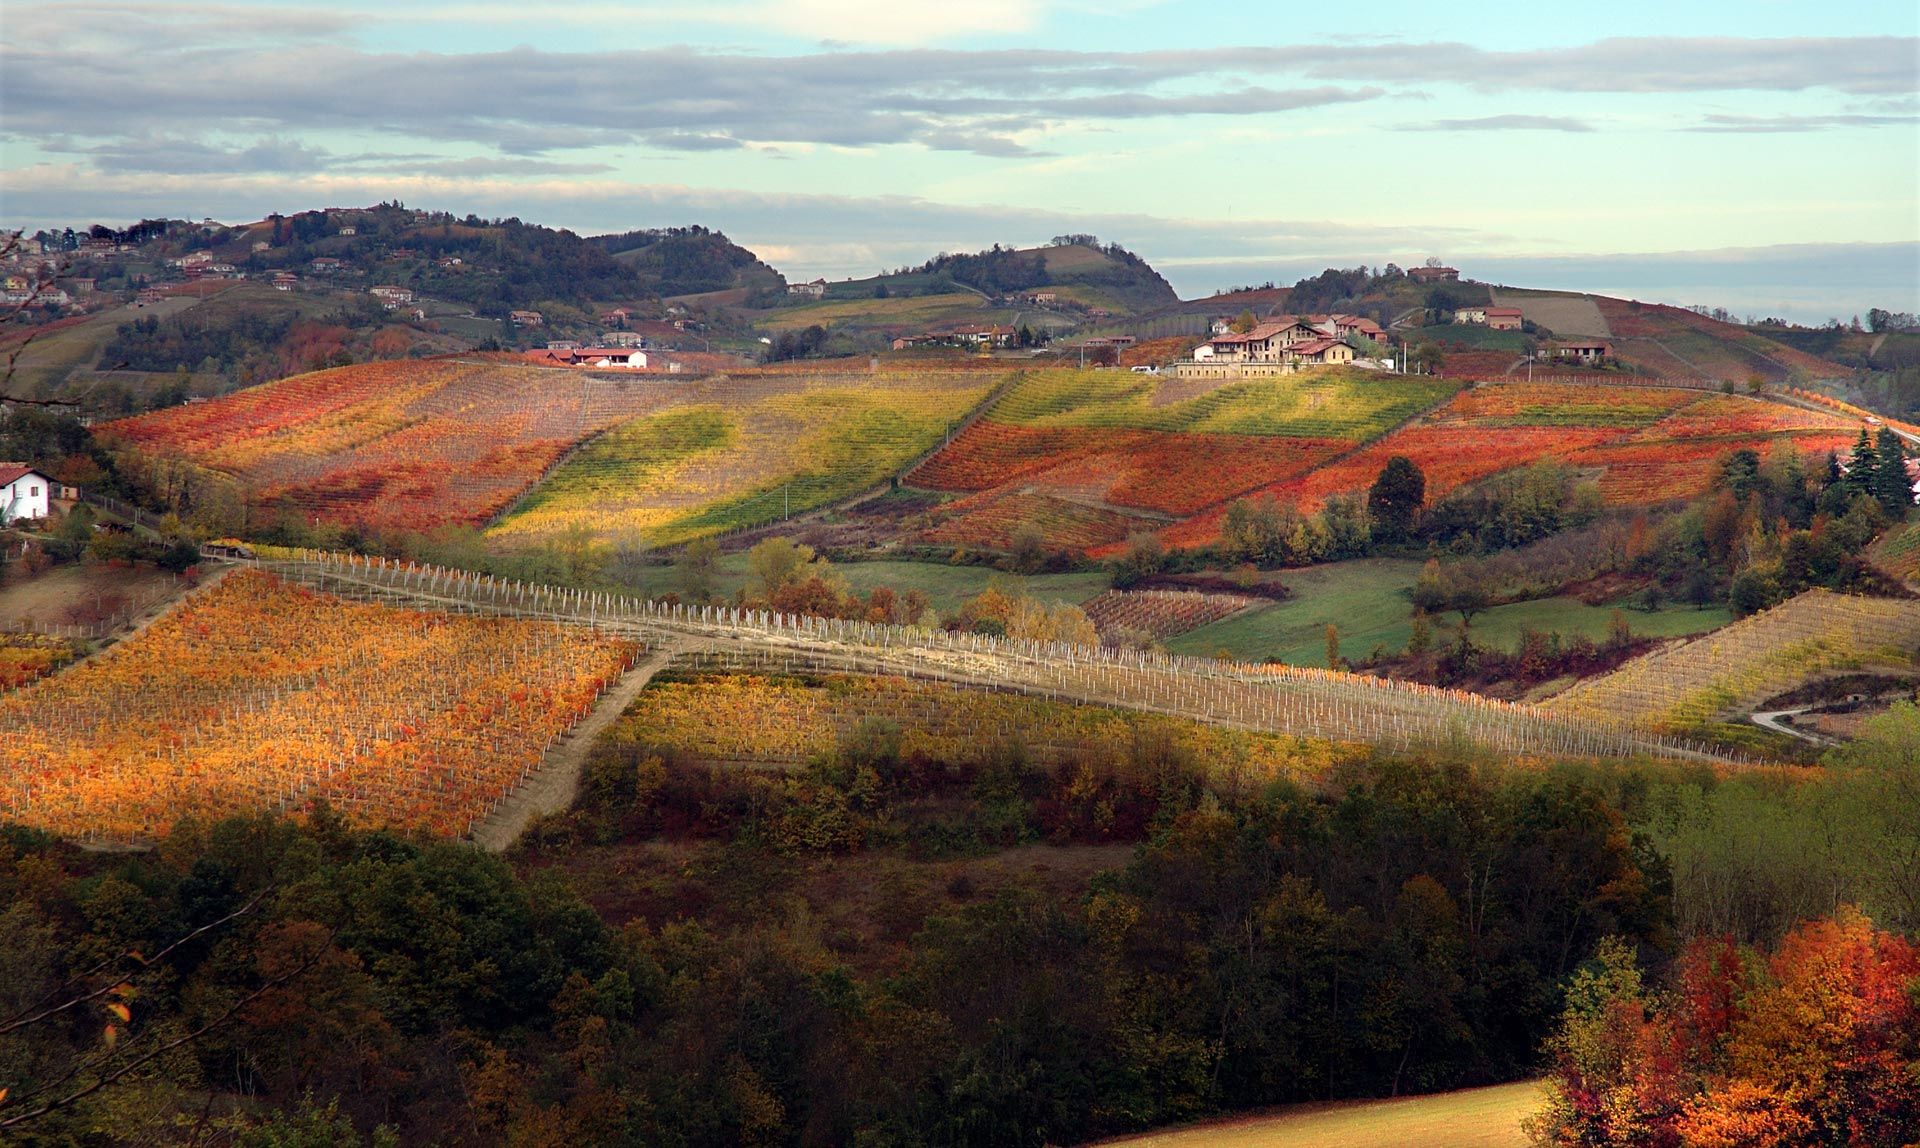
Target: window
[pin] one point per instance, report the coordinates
(33, 492)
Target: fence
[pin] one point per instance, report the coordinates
(1277, 699)
(101, 626)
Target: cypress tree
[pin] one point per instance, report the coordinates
(1862, 465)
(1890, 484)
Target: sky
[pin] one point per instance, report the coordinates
(1753, 154)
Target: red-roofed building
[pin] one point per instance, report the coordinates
(1434, 274)
(1590, 352)
(1319, 352)
(1505, 318)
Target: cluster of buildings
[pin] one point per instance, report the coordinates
(976, 336)
(1284, 344)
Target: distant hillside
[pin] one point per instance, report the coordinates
(688, 261)
(1082, 274)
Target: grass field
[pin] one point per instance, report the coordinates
(1368, 600)
(748, 451)
(1350, 405)
(1468, 1118)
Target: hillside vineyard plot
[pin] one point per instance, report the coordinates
(1104, 439)
(788, 720)
(404, 444)
(1646, 445)
(755, 448)
(261, 695)
(1681, 686)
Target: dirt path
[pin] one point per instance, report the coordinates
(1775, 721)
(552, 787)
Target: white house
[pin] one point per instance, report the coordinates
(24, 493)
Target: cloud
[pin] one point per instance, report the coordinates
(1501, 124)
(1770, 124)
(171, 154)
(281, 72)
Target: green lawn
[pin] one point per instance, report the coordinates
(1367, 600)
(1473, 335)
(1468, 1118)
(945, 586)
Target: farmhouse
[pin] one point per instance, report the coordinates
(1475, 316)
(25, 493)
(325, 265)
(813, 290)
(1505, 318)
(1433, 274)
(1266, 343)
(1588, 352)
(1319, 352)
(573, 355)
(392, 296)
(1348, 327)
(525, 318)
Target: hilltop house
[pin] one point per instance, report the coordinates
(814, 290)
(569, 355)
(1433, 274)
(25, 493)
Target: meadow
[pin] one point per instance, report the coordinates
(755, 448)
(1368, 600)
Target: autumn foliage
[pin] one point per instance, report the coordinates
(1813, 1043)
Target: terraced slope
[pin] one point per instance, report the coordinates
(1744, 664)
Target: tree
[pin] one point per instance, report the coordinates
(696, 568)
(1143, 557)
(1333, 646)
(774, 562)
(1427, 358)
(1441, 589)
(1890, 483)
(1862, 464)
(1027, 548)
(1396, 497)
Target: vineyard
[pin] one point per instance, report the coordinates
(1898, 552)
(1161, 613)
(1683, 686)
(1646, 445)
(1269, 699)
(26, 657)
(1129, 443)
(406, 444)
(788, 720)
(258, 694)
(754, 448)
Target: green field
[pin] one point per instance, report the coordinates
(1468, 1118)
(945, 586)
(1367, 599)
(1354, 405)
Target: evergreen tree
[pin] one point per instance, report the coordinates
(1890, 483)
(1396, 497)
(1862, 465)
